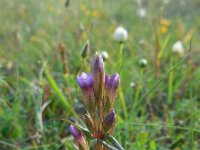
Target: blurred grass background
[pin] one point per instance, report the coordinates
(32, 37)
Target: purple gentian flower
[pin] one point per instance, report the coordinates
(111, 85)
(85, 81)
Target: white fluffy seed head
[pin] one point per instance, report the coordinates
(143, 62)
(141, 12)
(120, 34)
(104, 55)
(178, 48)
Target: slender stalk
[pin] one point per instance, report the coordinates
(138, 90)
(122, 100)
(99, 146)
(191, 98)
(157, 63)
(99, 119)
(170, 81)
(121, 47)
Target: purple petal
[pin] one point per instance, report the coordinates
(75, 132)
(82, 83)
(98, 64)
(83, 75)
(85, 81)
(107, 78)
(90, 80)
(110, 118)
(115, 80)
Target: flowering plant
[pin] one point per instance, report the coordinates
(99, 94)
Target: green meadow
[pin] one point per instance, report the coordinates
(41, 45)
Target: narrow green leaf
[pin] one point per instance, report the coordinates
(164, 44)
(109, 147)
(114, 142)
(57, 90)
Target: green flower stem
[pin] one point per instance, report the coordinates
(138, 90)
(170, 81)
(121, 58)
(121, 95)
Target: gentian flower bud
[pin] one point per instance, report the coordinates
(89, 122)
(109, 121)
(86, 83)
(99, 78)
(111, 85)
(78, 136)
(75, 132)
(85, 50)
(120, 34)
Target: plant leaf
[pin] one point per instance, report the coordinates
(114, 142)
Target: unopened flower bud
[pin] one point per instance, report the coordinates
(89, 122)
(109, 121)
(120, 34)
(67, 3)
(99, 77)
(111, 85)
(75, 132)
(85, 50)
(142, 63)
(79, 137)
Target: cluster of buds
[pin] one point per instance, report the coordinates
(99, 94)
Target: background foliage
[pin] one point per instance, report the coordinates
(38, 96)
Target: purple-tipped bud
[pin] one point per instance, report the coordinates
(79, 138)
(112, 82)
(109, 121)
(85, 81)
(77, 134)
(99, 77)
(110, 92)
